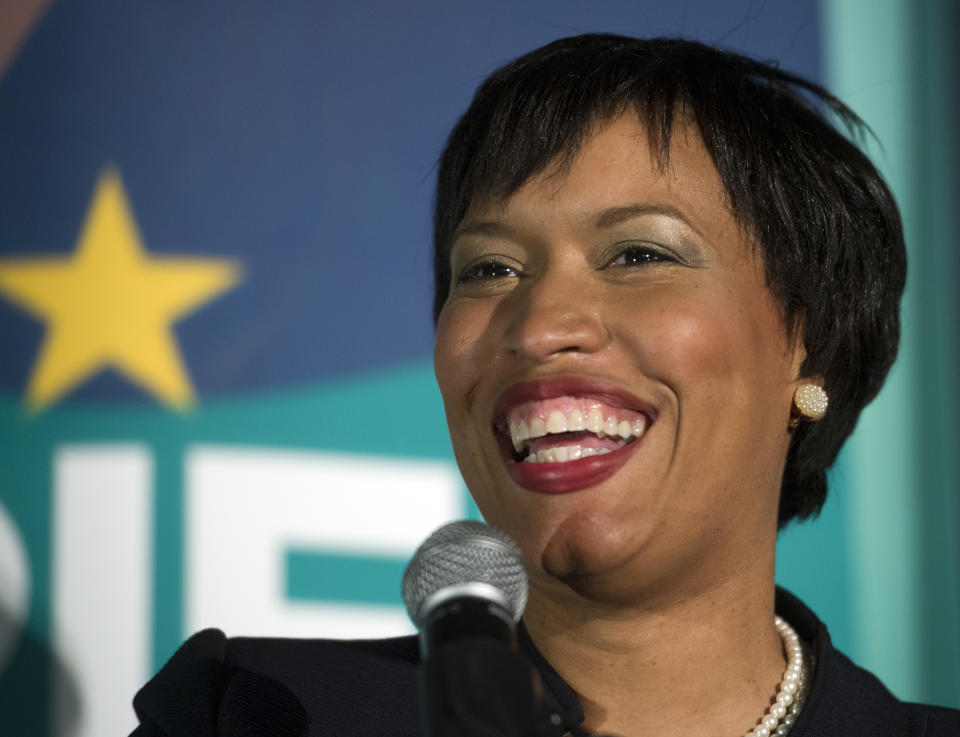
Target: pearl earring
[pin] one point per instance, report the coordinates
(809, 403)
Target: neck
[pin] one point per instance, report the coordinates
(706, 663)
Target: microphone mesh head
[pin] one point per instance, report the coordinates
(466, 552)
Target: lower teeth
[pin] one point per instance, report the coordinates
(566, 453)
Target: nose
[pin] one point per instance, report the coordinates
(555, 313)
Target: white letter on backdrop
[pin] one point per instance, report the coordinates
(102, 584)
(246, 507)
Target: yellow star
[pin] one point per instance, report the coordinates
(111, 304)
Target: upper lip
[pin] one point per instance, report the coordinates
(563, 386)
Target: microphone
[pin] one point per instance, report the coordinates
(466, 580)
(465, 589)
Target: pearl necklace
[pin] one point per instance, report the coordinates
(791, 692)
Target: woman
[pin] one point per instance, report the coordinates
(655, 262)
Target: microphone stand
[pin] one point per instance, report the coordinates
(480, 687)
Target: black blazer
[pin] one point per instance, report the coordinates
(306, 688)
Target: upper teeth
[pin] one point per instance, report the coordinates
(557, 422)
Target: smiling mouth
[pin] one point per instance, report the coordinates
(566, 429)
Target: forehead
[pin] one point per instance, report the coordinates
(616, 167)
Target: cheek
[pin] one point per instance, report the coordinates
(723, 344)
(461, 361)
(724, 360)
(444, 358)
(459, 354)
(687, 343)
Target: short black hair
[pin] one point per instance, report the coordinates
(822, 218)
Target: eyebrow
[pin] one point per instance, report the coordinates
(491, 228)
(604, 219)
(616, 215)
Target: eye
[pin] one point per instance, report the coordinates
(486, 271)
(635, 254)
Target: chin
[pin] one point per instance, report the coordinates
(587, 547)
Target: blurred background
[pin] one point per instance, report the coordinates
(216, 396)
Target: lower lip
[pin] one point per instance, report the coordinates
(563, 478)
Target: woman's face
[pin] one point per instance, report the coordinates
(616, 375)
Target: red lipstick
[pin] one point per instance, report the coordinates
(570, 476)
(604, 391)
(562, 478)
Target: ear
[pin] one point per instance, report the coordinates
(797, 357)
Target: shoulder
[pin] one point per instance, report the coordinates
(847, 700)
(213, 683)
(852, 701)
(933, 721)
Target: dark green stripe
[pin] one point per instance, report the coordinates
(360, 579)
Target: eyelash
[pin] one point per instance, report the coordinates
(633, 256)
(641, 255)
(481, 272)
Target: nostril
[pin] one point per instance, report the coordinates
(542, 336)
(557, 311)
